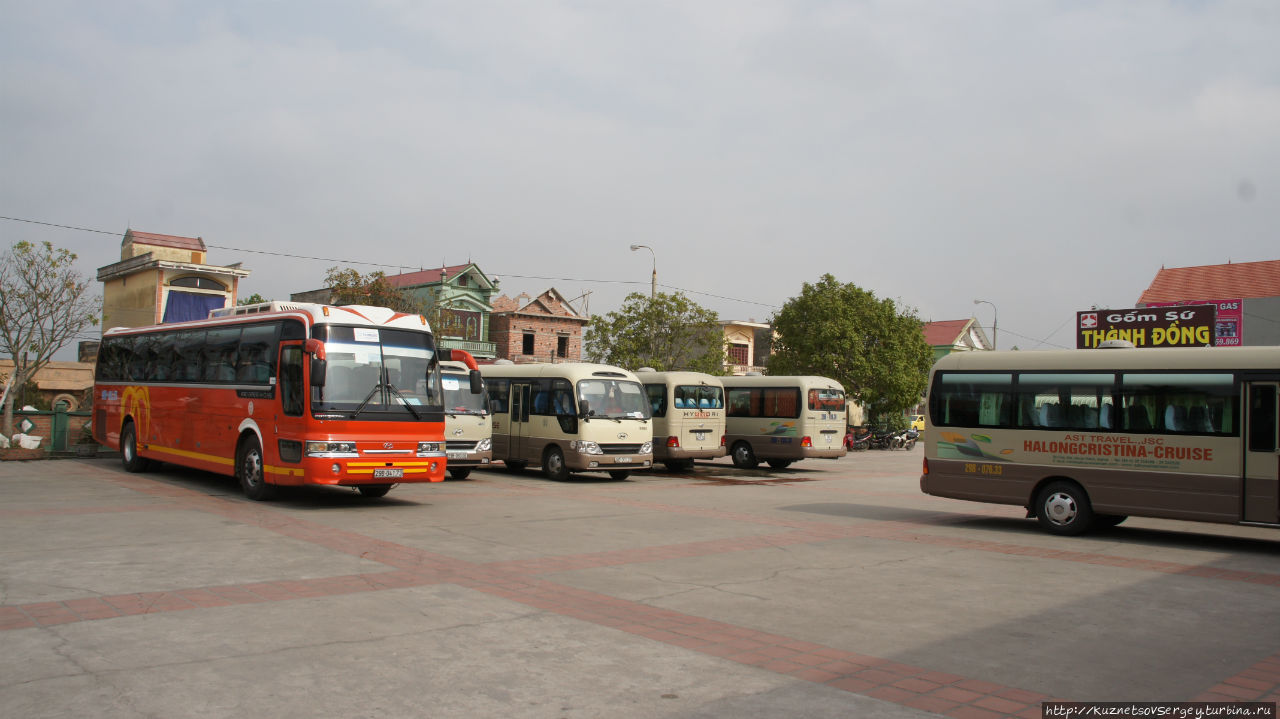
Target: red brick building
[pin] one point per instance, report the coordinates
(546, 328)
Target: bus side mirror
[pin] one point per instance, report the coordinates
(477, 383)
(584, 408)
(319, 368)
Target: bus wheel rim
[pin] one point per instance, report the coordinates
(253, 468)
(1060, 508)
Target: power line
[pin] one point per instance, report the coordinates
(405, 267)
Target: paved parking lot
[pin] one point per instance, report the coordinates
(832, 589)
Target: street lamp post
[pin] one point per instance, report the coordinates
(653, 285)
(995, 322)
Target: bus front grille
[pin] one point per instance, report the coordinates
(620, 448)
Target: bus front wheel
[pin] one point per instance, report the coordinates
(1063, 508)
(460, 473)
(373, 491)
(743, 457)
(249, 471)
(553, 465)
(129, 450)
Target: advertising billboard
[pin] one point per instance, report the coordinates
(1228, 328)
(1176, 326)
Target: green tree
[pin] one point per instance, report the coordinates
(44, 304)
(352, 288)
(870, 345)
(252, 299)
(665, 332)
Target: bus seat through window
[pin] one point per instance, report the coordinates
(1198, 419)
(1138, 418)
(1104, 416)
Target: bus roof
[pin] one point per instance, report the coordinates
(781, 381)
(1173, 358)
(309, 312)
(572, 371)
(652, 376)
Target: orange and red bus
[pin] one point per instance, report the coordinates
(280, 393)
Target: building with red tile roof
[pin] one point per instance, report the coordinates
(947, 336)
(1247, 295)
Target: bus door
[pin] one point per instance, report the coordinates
(290, 423)
(1261, 456)
(519, 430)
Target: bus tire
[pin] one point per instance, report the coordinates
(373, 491)
(743, 457)
(1106, 521)
(460, 473)
(620, 474)
(129, 450)
(553, 465)
(779, 463)
(249, 470)
(1062, 507)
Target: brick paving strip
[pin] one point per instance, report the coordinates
(917, 687)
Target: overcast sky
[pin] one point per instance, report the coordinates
(1043, 156)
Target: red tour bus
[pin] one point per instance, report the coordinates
(280, 393)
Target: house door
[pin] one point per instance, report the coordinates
(1262, 453)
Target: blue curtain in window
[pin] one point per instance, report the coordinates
(183, 306)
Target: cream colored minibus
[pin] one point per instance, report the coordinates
(468, 426)
(783, 419)
(569, 417)
(1086, 438)
(688, 416)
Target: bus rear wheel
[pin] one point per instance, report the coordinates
(679, 465)
(779, 463)
(373, 491)
(1063, 508)
(249, 470)
(743, 457)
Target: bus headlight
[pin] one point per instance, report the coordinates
(331, 448)
(484, 445)
(585, 447)
(428, 448)
(646, 448)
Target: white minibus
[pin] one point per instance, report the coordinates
(783, 419)
(688, 416)
(468, 426)
(569, 417)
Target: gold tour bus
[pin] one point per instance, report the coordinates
(783, 419)
(569, 417)
(688, 416)
(1086, 438)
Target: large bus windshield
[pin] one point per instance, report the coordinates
(614, 399)
(377, 370)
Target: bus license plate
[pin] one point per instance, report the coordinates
(388, 473)
(455, 455)
(623, 460)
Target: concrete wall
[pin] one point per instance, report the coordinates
(1262, 321)
(131, 301)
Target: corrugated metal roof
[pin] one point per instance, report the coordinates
(1235, 279)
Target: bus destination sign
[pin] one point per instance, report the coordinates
(1182, 326)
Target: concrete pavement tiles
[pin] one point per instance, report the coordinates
(383, 566)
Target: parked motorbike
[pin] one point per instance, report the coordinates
(857, 441)
(909, 438)
(883, 439)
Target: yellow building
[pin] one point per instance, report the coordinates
(164, 278)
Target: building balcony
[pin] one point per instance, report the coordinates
(479, 350)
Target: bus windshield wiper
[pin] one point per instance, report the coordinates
(394, 391)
